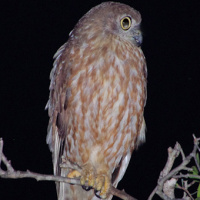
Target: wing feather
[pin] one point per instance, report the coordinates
(56, 106)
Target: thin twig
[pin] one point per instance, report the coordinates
(166, 174)
(188, 169)
(192, 183)
(153, 193)
(196, 143)
(7, 164)
(182, 154)
(185, 190)
(187, 176)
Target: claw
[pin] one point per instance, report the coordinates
(100, 181)
(105, 189)
(87, 188)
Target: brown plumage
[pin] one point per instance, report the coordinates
(97, 98)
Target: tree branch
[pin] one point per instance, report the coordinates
(165, 186)
(167, 179)
(11, 173)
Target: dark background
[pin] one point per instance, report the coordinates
(30, 34)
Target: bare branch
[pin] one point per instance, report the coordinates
(7, 163)
(166, 189)
(38, 177)
(165, 185)
(11, 173)
(153, 193)
(187, 176)
(45, 177)
(196, 142)
(172, 155)
(164, 175)
(182, 154)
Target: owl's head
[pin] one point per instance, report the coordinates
(111, 20)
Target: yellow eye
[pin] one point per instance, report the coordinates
(126, 23)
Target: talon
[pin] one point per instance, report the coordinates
(97, 194)
(91, 179)
(73, 174)
(86, 188)
(82, 180)
(88, 175)
(99, 182)
(105, 189)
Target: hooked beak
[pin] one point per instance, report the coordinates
(137, 36)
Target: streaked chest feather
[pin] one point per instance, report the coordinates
(105, 102)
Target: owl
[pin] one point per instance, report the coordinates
(96, 102)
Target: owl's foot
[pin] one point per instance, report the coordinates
(73, 174)
(88, 175)
(99, 181)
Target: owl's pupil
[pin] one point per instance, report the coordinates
(126, 23)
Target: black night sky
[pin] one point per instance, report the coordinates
(30, 34)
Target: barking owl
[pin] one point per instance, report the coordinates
(96, 102)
